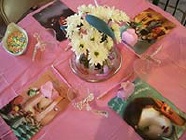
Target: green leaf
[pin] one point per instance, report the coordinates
(100, 25)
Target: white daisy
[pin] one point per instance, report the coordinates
(79, 46)
(98, 54)
(86, 39)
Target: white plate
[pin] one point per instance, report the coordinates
(11, 31)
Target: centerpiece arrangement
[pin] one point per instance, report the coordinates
(94, 32)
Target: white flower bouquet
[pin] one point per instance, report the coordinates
(93, 30)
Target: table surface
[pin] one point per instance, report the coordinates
(169, 79)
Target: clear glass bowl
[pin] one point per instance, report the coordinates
(97, 73)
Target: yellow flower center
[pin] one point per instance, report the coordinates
(96, 53)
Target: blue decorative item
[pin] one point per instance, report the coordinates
(100, 25)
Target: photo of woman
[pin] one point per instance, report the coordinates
(152, 118)
(151, 115)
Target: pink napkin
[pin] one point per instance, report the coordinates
(49, 91)
(130, 36)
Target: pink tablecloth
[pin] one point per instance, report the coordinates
(169, 78)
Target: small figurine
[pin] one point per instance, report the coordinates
(40, 45)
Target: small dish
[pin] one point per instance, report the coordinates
(15, 40)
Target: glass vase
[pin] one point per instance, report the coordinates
(96, 73)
